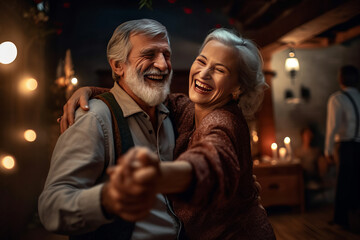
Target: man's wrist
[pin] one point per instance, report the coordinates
(104, 210)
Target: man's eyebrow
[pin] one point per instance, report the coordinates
(147, 51)
(151, 50)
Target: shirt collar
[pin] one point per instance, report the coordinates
(128, 105)
(350, 89)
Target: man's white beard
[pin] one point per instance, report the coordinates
(153, 94)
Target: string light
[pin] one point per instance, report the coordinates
(30, 135)
(31, 84)
(8, 52)
(8, 162)
(28, 85)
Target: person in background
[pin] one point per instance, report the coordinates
(313, 164)
(220, 199)
(342, 146)
(309, 156)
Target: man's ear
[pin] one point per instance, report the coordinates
(117, 67)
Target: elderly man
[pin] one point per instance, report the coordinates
(78, 199)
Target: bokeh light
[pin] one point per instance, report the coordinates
(273, 146)
(8, 162)
(74, 81)
(8, 52)
(28, 85)
(287, 140)
(30, 135)
(31, 84)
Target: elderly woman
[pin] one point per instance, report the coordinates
(219, 200)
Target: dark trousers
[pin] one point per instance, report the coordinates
(347, 198)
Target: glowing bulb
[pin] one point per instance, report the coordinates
(8, 52)
(273, 146)
(8, 162)
(31, 84)
(255, 138)
(287, 140)
(74, 81)
(30, 135)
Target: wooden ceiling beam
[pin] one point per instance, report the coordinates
(322, 23)
(303, 22)
(347, 35)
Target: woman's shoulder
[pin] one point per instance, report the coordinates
(227, 117)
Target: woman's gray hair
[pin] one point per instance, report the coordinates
(251, 77)
(119, 45)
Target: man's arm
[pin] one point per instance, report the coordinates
(70, 202)
(332, 126)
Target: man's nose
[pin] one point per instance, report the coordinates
(161, 63)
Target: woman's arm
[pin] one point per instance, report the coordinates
(79, 98)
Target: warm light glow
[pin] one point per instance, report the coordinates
(27, 85)
(255, 138)
(74, 81)
(282, 152)
(30, 135)
(273, 146)
(8, 162)
(292, 63)
(8, 52)
(31, 84)
(287, 140)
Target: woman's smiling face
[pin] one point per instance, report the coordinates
(214, 75)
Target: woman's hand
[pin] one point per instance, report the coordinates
(79, 98)
(131, 190)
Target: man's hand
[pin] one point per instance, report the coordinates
(132, 188)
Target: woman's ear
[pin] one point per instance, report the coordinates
(117, 67)
(236, 94)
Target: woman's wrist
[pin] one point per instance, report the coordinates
(175, 177)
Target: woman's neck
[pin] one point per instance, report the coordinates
(202, 110)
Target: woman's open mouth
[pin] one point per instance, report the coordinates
(202, 87)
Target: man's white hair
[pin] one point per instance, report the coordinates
(119, 45)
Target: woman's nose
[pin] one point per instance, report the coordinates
(205, 73)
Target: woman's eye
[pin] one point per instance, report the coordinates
(202, 62)
(219, 70)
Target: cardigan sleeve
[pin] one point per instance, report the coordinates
(219, 158)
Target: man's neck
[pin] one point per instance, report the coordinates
(151, 111)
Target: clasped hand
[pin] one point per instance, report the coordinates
(131, 190)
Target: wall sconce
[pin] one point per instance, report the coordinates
(292, 64)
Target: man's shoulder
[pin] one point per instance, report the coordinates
(97, 108)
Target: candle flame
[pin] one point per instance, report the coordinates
(273, 146)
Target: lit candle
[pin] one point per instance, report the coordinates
(274, 150)
(287, 145)
(282, 153)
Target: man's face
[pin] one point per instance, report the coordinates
(148, 71)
